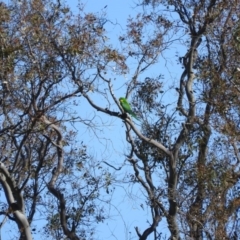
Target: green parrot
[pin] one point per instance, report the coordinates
(126, 107)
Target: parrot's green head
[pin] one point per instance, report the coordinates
(121, 99)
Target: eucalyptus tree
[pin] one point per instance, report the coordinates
(184, 151)
(44, 166)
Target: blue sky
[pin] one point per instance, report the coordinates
(125, 210)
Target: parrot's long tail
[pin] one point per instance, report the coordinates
(133, 115)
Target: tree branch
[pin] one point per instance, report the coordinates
(12, 194)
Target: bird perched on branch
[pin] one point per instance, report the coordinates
(126, 107)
